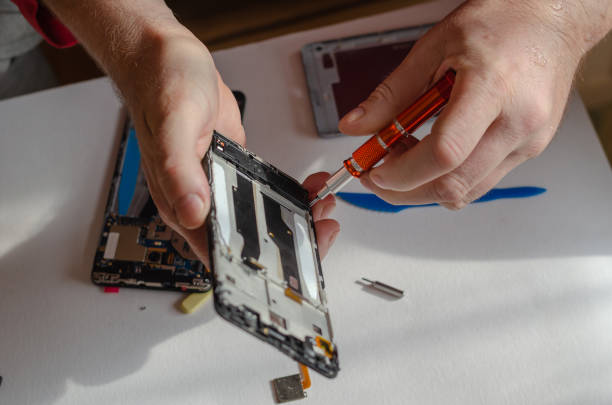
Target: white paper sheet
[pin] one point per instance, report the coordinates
(506, 302)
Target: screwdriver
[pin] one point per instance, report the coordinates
(375, 148)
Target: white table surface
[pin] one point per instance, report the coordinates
(506, 302)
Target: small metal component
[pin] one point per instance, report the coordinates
(384, 288)
(355, 164)
(381, 142)
(315, 200)
(400, 128)
(278, 320)
(126, 243)
(334, 183)
(288, 388)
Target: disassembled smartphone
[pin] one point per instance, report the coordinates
(341, 73)
(136, 248)
(264, 256)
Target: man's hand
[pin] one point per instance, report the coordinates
(515, 62)
(174, 95)
(176, 99)
(327, 229)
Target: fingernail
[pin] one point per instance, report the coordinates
(354, 115)
(332, 238)
(189, 211)
(328, 208)
(377, 180)
(366, 182)
(317, 210)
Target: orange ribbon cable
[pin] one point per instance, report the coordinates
(305, 376)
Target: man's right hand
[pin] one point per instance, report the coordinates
(515, 62)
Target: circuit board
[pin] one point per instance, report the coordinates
(141, 252)
(136, 248)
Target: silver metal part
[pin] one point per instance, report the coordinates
(381, 142)
(333, 184)
(400, 127)
(127, 246)
(288, 388)
(356, 165)
(384, 288)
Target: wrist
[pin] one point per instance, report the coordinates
(579, 24)
(138, 56)
(119, 34)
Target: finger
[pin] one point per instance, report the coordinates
(423, 195)
(198, 241)
(401, 145)
(314, 182)
(452, 187)
(416, 196)
(229, 122)
(327, 230)
(323, 208)
(511, 162)
(177, 153)
(163, 208)
(472, 108)
(494, 147)
(397, 91)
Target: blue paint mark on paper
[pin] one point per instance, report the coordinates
(129, 172)
(372, 202)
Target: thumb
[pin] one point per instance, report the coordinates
(229, 122)
(186, 190)
(181, 143)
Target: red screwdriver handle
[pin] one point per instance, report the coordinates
(408, 121)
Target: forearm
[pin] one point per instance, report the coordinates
(116, 32)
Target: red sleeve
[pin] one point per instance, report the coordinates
(47, 25)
